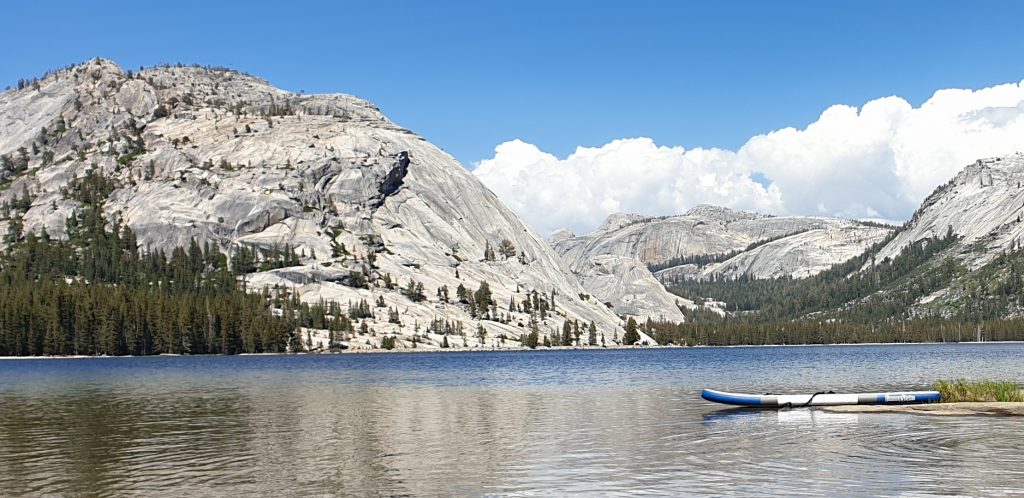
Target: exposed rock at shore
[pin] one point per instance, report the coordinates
(944, 409)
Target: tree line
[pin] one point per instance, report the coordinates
(97, 292)
(734, 332)
(702, 260)
(913, 273)
(860, 301)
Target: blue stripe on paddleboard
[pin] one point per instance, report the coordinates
(730, 399)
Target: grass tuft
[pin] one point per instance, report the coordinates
(960, 390)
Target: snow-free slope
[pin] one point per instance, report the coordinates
(221, 156)
(800, 255)
(814, 243)
(983, 204)
(608, 261)
(628, 288)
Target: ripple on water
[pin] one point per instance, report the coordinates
(598, 423)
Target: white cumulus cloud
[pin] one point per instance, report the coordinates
(879, 161)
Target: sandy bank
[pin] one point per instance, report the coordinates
(946, 409)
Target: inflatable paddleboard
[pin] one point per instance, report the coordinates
(820, 399)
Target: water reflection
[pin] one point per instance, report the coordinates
(87, 440)
(444, 425)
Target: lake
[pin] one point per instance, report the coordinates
(606, 422)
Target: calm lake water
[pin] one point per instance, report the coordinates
(616, 422)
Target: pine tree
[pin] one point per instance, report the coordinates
(482, 297)
(631, 336)
(506, 249)
(414, 291)
(533, 337)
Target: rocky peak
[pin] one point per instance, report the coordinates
(98, 70)
(560, 235)
(187, 87)
(616, 221)
(719, 213)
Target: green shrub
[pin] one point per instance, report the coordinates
(960, 391)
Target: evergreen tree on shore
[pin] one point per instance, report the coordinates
(98, 293)
(631, 336)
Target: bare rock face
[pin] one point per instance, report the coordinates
(800, 255)
(630, 289)
(767, 246)
(612, 261)
(983, 204)
(221, 156)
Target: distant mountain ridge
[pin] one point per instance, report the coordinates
(957, 261)
(713, 230)
(706, 242)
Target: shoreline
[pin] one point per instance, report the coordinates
(957, 409)
(506, 350)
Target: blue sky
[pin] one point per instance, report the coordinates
(471, 75)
